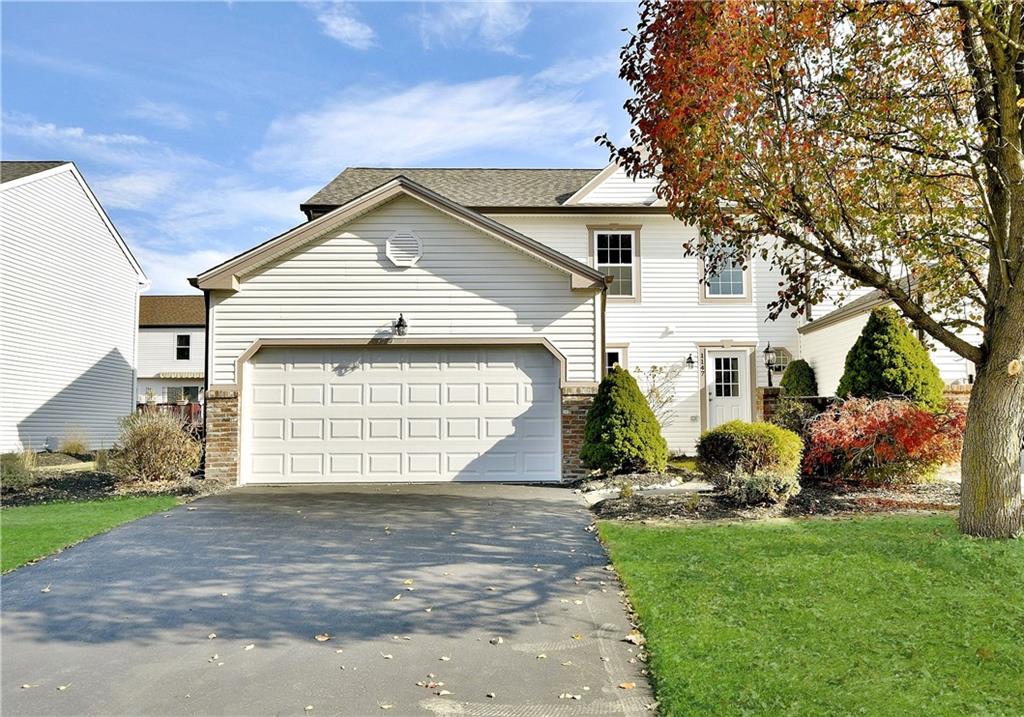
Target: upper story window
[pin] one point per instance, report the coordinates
(183, 347)
(615, 356)
(615, 252)
(728, 281)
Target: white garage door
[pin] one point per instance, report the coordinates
(379, 414)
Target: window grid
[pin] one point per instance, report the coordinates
(615, 258)
(727, 377)
(727, 281)
(611, 358)
(182, 347)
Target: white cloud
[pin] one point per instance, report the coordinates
(179, 213)
(495, 25)
(580, 70)
(427, 122)
(163, 114)
(169, 271)
(339, 21)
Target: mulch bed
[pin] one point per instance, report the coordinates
(637, 480)
(815, 498)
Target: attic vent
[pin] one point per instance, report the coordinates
(404, 248)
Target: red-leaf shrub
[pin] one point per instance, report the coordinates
(889, 441)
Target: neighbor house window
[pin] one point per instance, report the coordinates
(616, 355)
(728, 282)
(615, 256)
(183, 347)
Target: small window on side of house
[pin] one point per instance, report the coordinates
(612, 358)
(183, 347)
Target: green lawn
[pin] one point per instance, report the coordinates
(874, 616)
(32, 531)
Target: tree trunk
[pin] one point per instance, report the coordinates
(990, 496)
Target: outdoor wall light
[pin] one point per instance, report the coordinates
(769, 361)
(401, 326)
(689, 361)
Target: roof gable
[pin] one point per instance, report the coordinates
(12, 170)
(226, 275)
(38, 171)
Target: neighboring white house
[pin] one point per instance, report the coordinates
(825, 342)
(172, 348)
(69, 296)
(506, 327)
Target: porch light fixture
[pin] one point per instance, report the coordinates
(401, 326)
(769, 361)
(689, 361)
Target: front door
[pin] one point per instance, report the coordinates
(728, 386)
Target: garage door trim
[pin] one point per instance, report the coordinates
(539, 341)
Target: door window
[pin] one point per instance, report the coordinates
(727, 376)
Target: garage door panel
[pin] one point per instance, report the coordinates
(412, 414)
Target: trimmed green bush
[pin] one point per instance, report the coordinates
(888, 360)
(799, 380)
(621, 432)
(752, 462)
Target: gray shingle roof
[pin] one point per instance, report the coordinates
(9, 171)
(469, 187)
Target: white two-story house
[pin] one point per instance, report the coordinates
(172, 349)
(69, 299)
(453, 324)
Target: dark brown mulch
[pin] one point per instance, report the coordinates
(45, 459)
(637, 480)
(815, 498)
(74, 486)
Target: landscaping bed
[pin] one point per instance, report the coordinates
(815, 498)
(871, 615)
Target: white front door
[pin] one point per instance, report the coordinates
(401, 414)
(728, 386)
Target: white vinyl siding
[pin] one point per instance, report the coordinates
(68, 312)
(466, 284)
(618, 188)
(158, 351)
(668, 323)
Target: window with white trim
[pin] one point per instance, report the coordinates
(615, 253)
(782, 359)
(615, 357)
(183, 347)
(728, 282)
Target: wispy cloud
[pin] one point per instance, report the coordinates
(162, 114)
(578, 71)
(493, 25)
(340, 21)
(426, 122)
(171, 206)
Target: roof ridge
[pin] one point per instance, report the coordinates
(489, 169)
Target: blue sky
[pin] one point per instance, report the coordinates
(202, 126)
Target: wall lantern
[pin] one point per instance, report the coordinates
(769, 361)
(401, 326)
(689, 361)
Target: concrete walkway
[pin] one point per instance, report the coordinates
(498, 592)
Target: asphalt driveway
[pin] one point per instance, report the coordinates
(498, 592)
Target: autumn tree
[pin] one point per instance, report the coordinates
(869, 142)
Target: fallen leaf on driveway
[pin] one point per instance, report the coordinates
(46, 589)
(444, 658)
(248, 647)
(212, 636)
(386, 656)
(339, 651)
(496, 640)
(567, 663)
(384, 706)
(61, 688)
(627, 685)
(635, 638)
(490, 695)
(569, 696)
(190, 508)
(427, 609)
(577, 636)
(542, 656)
(407, 582)
(397, 597)
(28, 687)
(442, 693)
(308, 708)
(322, 637)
